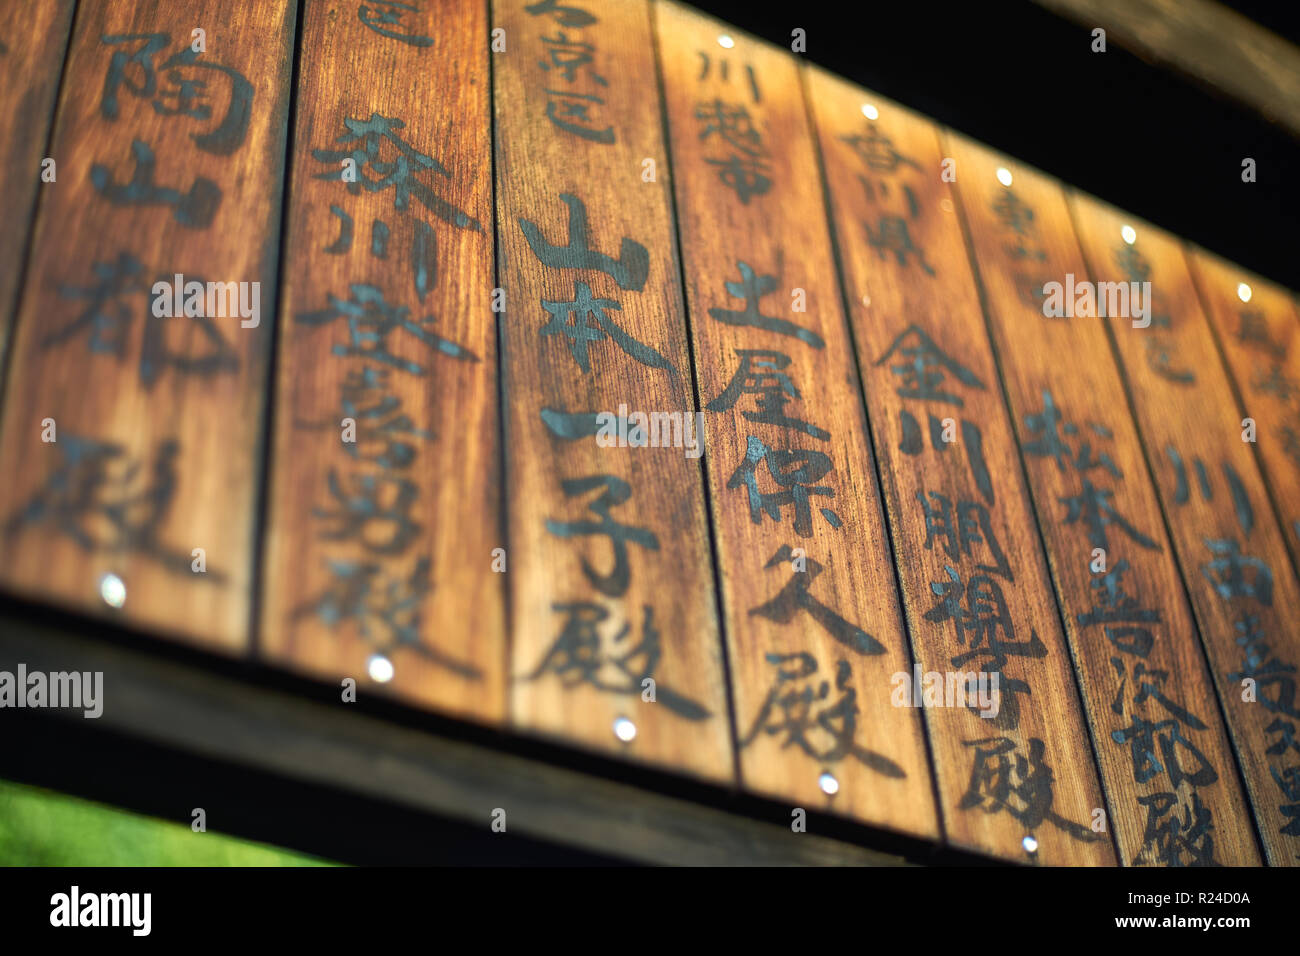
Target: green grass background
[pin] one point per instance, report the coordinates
(43, 828)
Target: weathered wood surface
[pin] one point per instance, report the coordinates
(169, 163)
(1241, 584)
(975, 585)
(610, 573)
(812, 619)
(1164, 755)
(831, 491)
(384, 486)
(33, 39)
(1257, 324)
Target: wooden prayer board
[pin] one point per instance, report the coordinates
(604, 379)
(385, 308)
(167, 415)
(609, 541)
(802, 606)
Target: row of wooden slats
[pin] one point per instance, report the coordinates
(566, 208)
(1071, 361)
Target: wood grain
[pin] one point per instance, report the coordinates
(844, 489)
(1233, 560)
(380, 541)
(975, 586)
(170, 162)
(611, 577)
(33, 40)
(1257, 339)
(1140, 665)
(815, 636)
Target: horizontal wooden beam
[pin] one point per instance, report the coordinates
(210, 715)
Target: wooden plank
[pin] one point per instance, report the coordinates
(1256, 336)
(381, 532)
(1206, 41)
(1166, 761)
(169, 165)
(199, 711)
(610, 573)
(975, 586)
(33, 40)
(815, 634)
(1242, 589)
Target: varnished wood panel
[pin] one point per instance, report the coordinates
(815, 634)
(170, 162)
(33, 40)
(1019, 782)
(385, 488)
(1233, 560)
(610, 572)
(726, 512)
(1166, 761)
